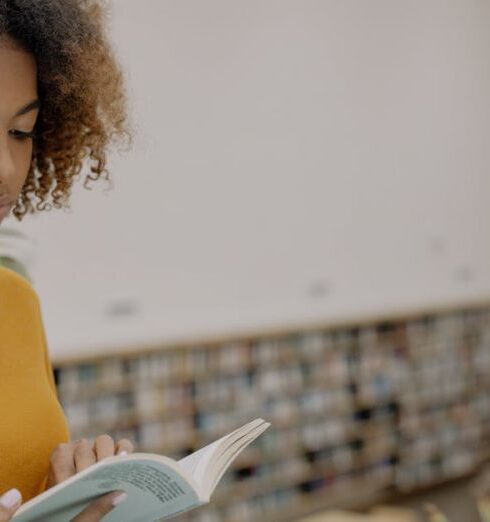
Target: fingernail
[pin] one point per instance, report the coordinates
(11, 498)
(117, 500)
(122, 452)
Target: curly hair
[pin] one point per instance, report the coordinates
(81, 90)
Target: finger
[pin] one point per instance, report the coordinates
(62, 463)
(124, 445)
(9, 503)
(104, 446)
(100, 507)
(84, 455)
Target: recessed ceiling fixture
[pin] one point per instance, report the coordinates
(319, 288)
(122, 308)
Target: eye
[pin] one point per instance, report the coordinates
(20, 135)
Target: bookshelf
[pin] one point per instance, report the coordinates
(358, 411)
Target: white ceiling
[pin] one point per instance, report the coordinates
(294, 161)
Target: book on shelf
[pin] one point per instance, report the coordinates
(158, 487)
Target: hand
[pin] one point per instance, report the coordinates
(92, 513)
(69, 458)
(9, 504)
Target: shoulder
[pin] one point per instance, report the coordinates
(13, 284)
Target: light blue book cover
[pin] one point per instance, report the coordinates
(156, 490)
(158, 487)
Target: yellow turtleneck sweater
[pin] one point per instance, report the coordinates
(32, 422)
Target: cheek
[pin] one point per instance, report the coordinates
(15, 162)
(23, 161)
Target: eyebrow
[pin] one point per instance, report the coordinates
(34, 104)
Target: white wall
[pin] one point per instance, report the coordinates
(295, 161)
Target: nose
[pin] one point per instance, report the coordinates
(7, 168)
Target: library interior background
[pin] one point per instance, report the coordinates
(301, 233)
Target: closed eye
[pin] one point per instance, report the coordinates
(20, 135)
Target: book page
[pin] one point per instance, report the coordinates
(199, 463)
(199, 460)
(208, 464)
(225, 458)
(156, 490)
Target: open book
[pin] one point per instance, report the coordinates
(158, 487)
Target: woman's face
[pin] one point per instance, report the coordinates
(19, 107)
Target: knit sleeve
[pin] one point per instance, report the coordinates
(33, 421)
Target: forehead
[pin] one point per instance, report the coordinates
(18, 80)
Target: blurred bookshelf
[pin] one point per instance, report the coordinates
(360, 411)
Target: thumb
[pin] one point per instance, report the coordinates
(98, 508)
(9, 503)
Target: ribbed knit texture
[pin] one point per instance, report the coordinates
(32, 422)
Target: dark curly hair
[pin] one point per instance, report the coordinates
(80, 86)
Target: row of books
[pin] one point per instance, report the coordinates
(384, 372)
(402, 404)
(281, 503)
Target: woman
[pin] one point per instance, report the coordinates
(61, 103)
